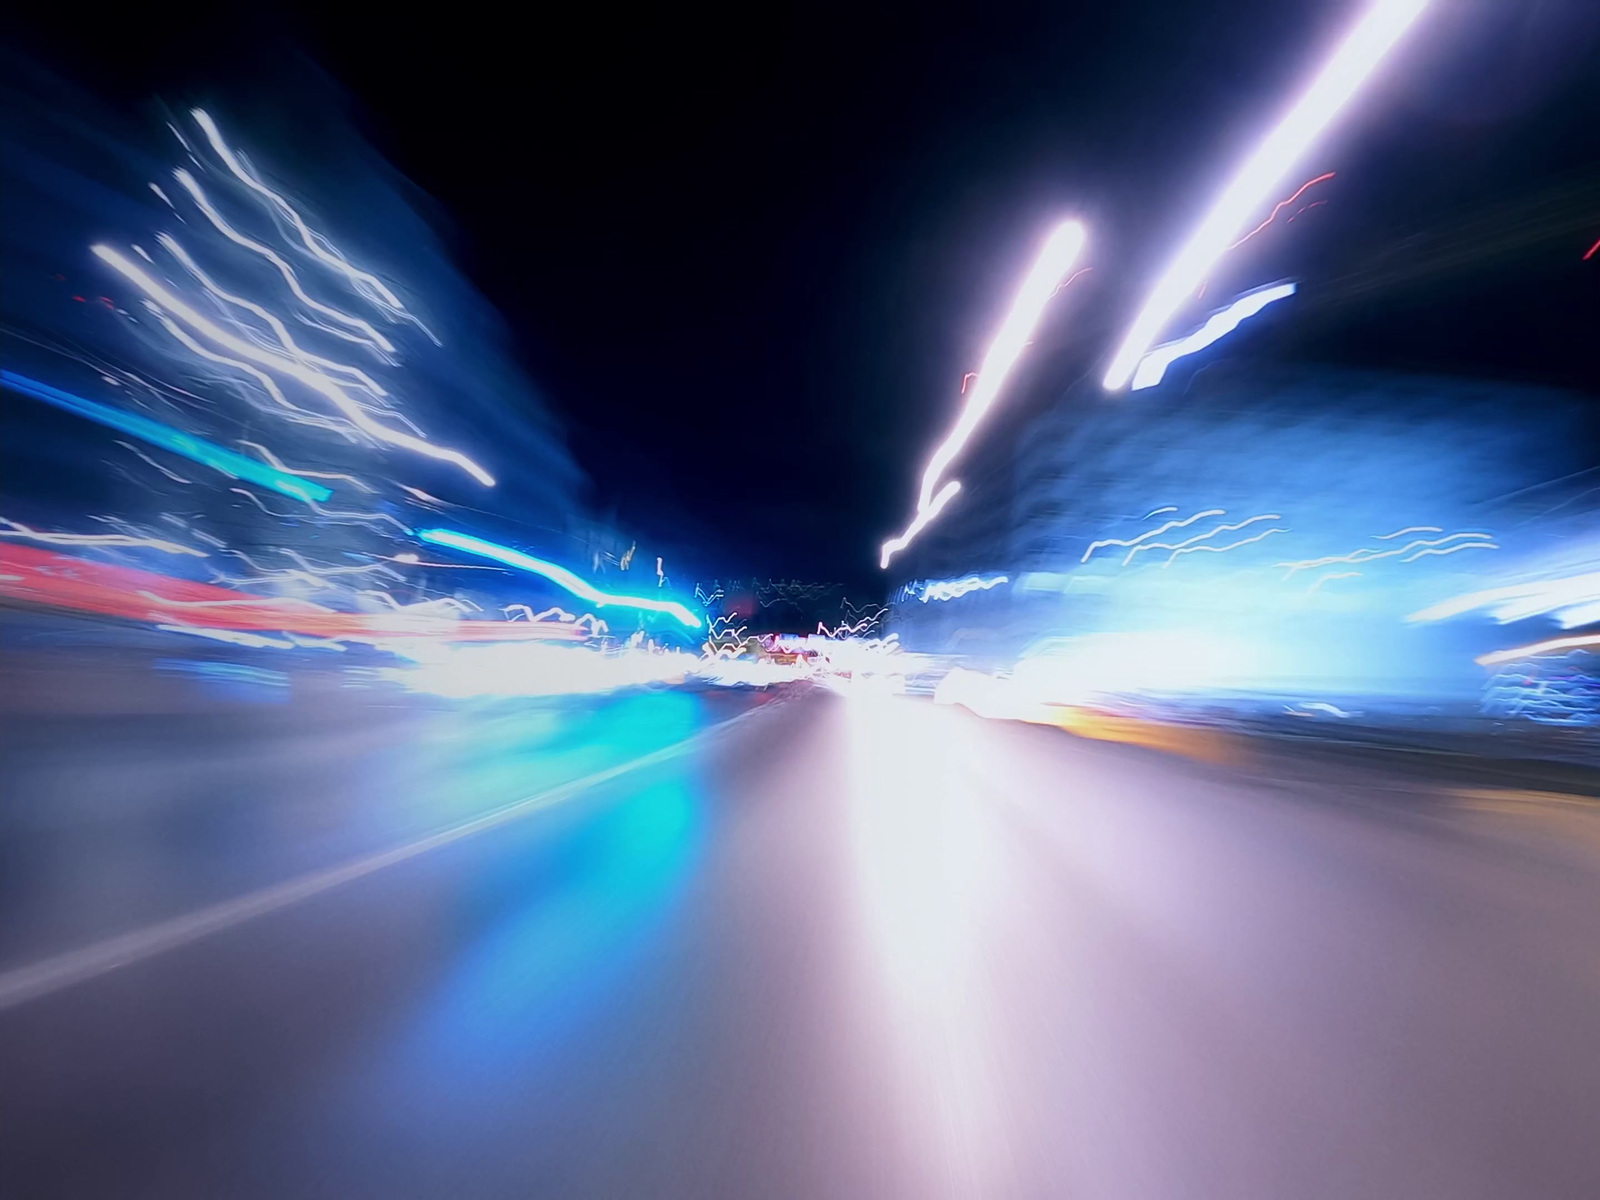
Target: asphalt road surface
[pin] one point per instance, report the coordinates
(811, 945)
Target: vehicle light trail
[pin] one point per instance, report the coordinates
(230, 463)
(557, 575)
(1060, 252)
(1374, 35)
(1153, 366)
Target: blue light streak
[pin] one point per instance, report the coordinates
(1154, 364)
(557, 575)
(229, 462)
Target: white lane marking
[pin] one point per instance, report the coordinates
(21, 984)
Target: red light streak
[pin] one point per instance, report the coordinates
(1067, 282)
(1279, 207)
(61, 581)
(1590, 252)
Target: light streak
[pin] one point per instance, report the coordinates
(1209, 512)
(557, 575)
(1452, 550)
(1218, 326)
(45, 577)
(1367, 554)
(1374, 35)
(16, 529)
(233, 636)
(1590, 252)
(1317, 586)
(1266, 533)
(1516, 601)
(365, 282)
(918, 523)
(954, 589)
(337, 516)
(274, 461)
(373, 337)
(229, 463)
(172, 247)
(589, 621)
(170, 474)
(1385, 537)
(1581, 642)
(1280, 206)
(312, 379)
(1060, 250)
(847, 630)
(1178, 548)
(268, 384)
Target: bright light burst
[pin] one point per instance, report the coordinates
(1377, 32)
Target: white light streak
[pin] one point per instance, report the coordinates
(1265, 533)
(1209, 512)
(269, 385)
(1571, 599)
(312, 379)
(918, 523)
(365, 282)
(1178, 548)
(1153, 366)
(1060, 251)
(1451, 550)
(236, 636)
(1367, 554)
(1582, 642)
(170, 474)
(174, 248)
(16, 529)
(954, 589)
(1385, 537)
(1374, 35)
(373, 337)
(1317, 586)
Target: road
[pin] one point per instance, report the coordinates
(823, 945)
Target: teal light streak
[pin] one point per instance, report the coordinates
(559, 576)
(229, 462)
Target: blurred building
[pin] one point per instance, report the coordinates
(1273, 525)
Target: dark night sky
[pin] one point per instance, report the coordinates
(748, 256)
